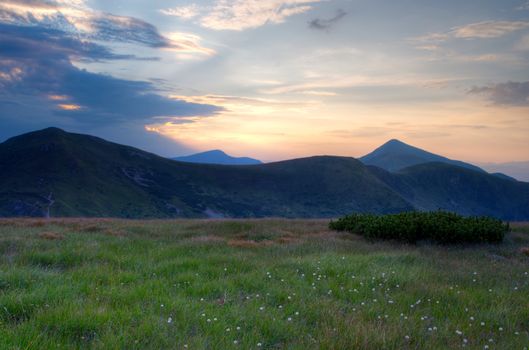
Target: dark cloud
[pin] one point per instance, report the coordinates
(36, 43)
(128, 29)
(36, 70)
(103, 26)
(327, 23)
(510, 93)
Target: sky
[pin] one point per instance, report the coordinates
(272, 79)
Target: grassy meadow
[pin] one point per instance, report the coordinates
(253, 284)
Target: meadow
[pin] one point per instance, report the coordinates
(254, 284)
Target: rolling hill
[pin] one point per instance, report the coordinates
(56, 173)
(395, 155)
(217, 157)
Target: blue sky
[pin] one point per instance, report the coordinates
(272, 79)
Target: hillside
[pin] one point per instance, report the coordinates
(79, 175)
(433, 186)
(395, 155)
(55, 173)
(217, 157)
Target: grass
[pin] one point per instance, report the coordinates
(253, 284)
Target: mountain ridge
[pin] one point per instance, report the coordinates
(64, 174)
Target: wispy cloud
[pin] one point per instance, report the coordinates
(78, 20)
(479, 30)
(489, 29)
(327, 23)
(241, 14)
(510, 93)
(185, 12)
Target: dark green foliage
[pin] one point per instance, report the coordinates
(440, 226)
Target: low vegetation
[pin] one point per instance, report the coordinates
(254, 284)
(442, 227)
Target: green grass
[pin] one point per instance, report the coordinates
(115, 284)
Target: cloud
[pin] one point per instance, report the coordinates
(185, 12)
(78, 20)
(480, 30)
(242, 14)
(489, 29)
(325, 24)
(510, 93)
(36, 70)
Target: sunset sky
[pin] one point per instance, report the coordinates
(272, 79)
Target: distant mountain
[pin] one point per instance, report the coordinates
(55, 173)
(217, 157)
(395, 155)
(517, 170)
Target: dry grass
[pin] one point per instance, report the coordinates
(52, 236)
(247, 243)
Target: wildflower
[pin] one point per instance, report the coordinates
(259, 344)
(458, 332)
(169, 320)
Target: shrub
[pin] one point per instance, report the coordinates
(440, 226)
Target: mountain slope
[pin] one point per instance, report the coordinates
(78, 175)
(433, 186)
(395, 155)
(217, 157)
(52, 172)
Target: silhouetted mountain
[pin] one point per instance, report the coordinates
(395, 155)
(80, 175)
(217, 157)
(52, 172)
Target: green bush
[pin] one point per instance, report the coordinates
(440, 226)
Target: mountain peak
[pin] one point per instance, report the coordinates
(217, 156)
(395, 155)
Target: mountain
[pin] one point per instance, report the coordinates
(55, 173)
(517, 170)
(395, 155)
(217, 157)
(69, 174)
(438, 185)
